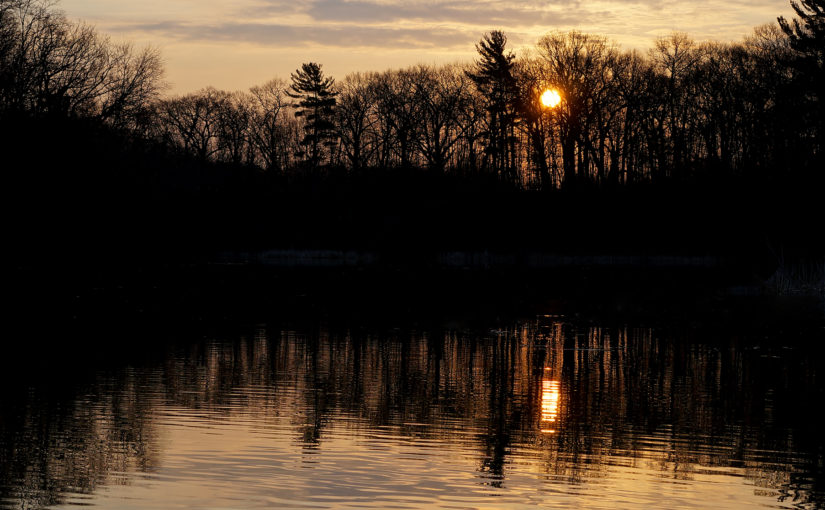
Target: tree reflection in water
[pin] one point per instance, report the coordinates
(577, 402)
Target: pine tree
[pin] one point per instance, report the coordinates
(807, 33)
(807, 37)
(493, 77)
(316, 103)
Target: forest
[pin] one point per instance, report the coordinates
(689, 148)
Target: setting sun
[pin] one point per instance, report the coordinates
(551, 98)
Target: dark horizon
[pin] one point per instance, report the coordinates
(685, 110)
(705, 158)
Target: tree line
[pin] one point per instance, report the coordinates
(682, 110)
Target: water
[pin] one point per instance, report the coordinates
(546, 412)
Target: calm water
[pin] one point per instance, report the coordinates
(543, 412)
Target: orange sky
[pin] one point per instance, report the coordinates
(235, 45)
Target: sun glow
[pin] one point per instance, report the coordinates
(551, 98)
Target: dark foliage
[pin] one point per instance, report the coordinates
(493, 76)
(692, 150)
(316, 103)
(807, 38)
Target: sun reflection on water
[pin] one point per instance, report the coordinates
(550, 395)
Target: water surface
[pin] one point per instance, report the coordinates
(547, 411)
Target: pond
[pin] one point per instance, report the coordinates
(545, 411)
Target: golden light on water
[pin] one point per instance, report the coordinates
(551, 98)
(550, 395)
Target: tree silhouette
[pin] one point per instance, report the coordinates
(677, 57)
(807, 33)
(316, 103)
(807, 37)
(269, 127)
(234, 128)
(534, 123)
(192, 122)
(580, 65)
(51, 66)
(399, 114)
(355, 122)
(685, 109)
(493, 77)
(442, 94)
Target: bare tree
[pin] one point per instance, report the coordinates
(355, 118)
(269, 124)
(637, 89)
(56, 67)
(441, 95)
(193, 122)
(235, 116)
(579, 65)
(677, 57)
(398, 116)
(531, 78)
(134, 81)
(472, 118)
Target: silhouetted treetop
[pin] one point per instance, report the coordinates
(807, 33)
(807, 38)
(52, 66)
(683, 110)
(316, 104)
(495, 65)
(310, 79)
(493, 76)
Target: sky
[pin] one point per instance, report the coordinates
(236, 44)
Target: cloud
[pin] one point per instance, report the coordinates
(369, 24)
(233, 44)
(340, 36)
(267, 8)
(448, 24)
(468, 13)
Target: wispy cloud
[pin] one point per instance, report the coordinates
(341, 36)
(464, 12)
(365, 23)
(432, 23)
